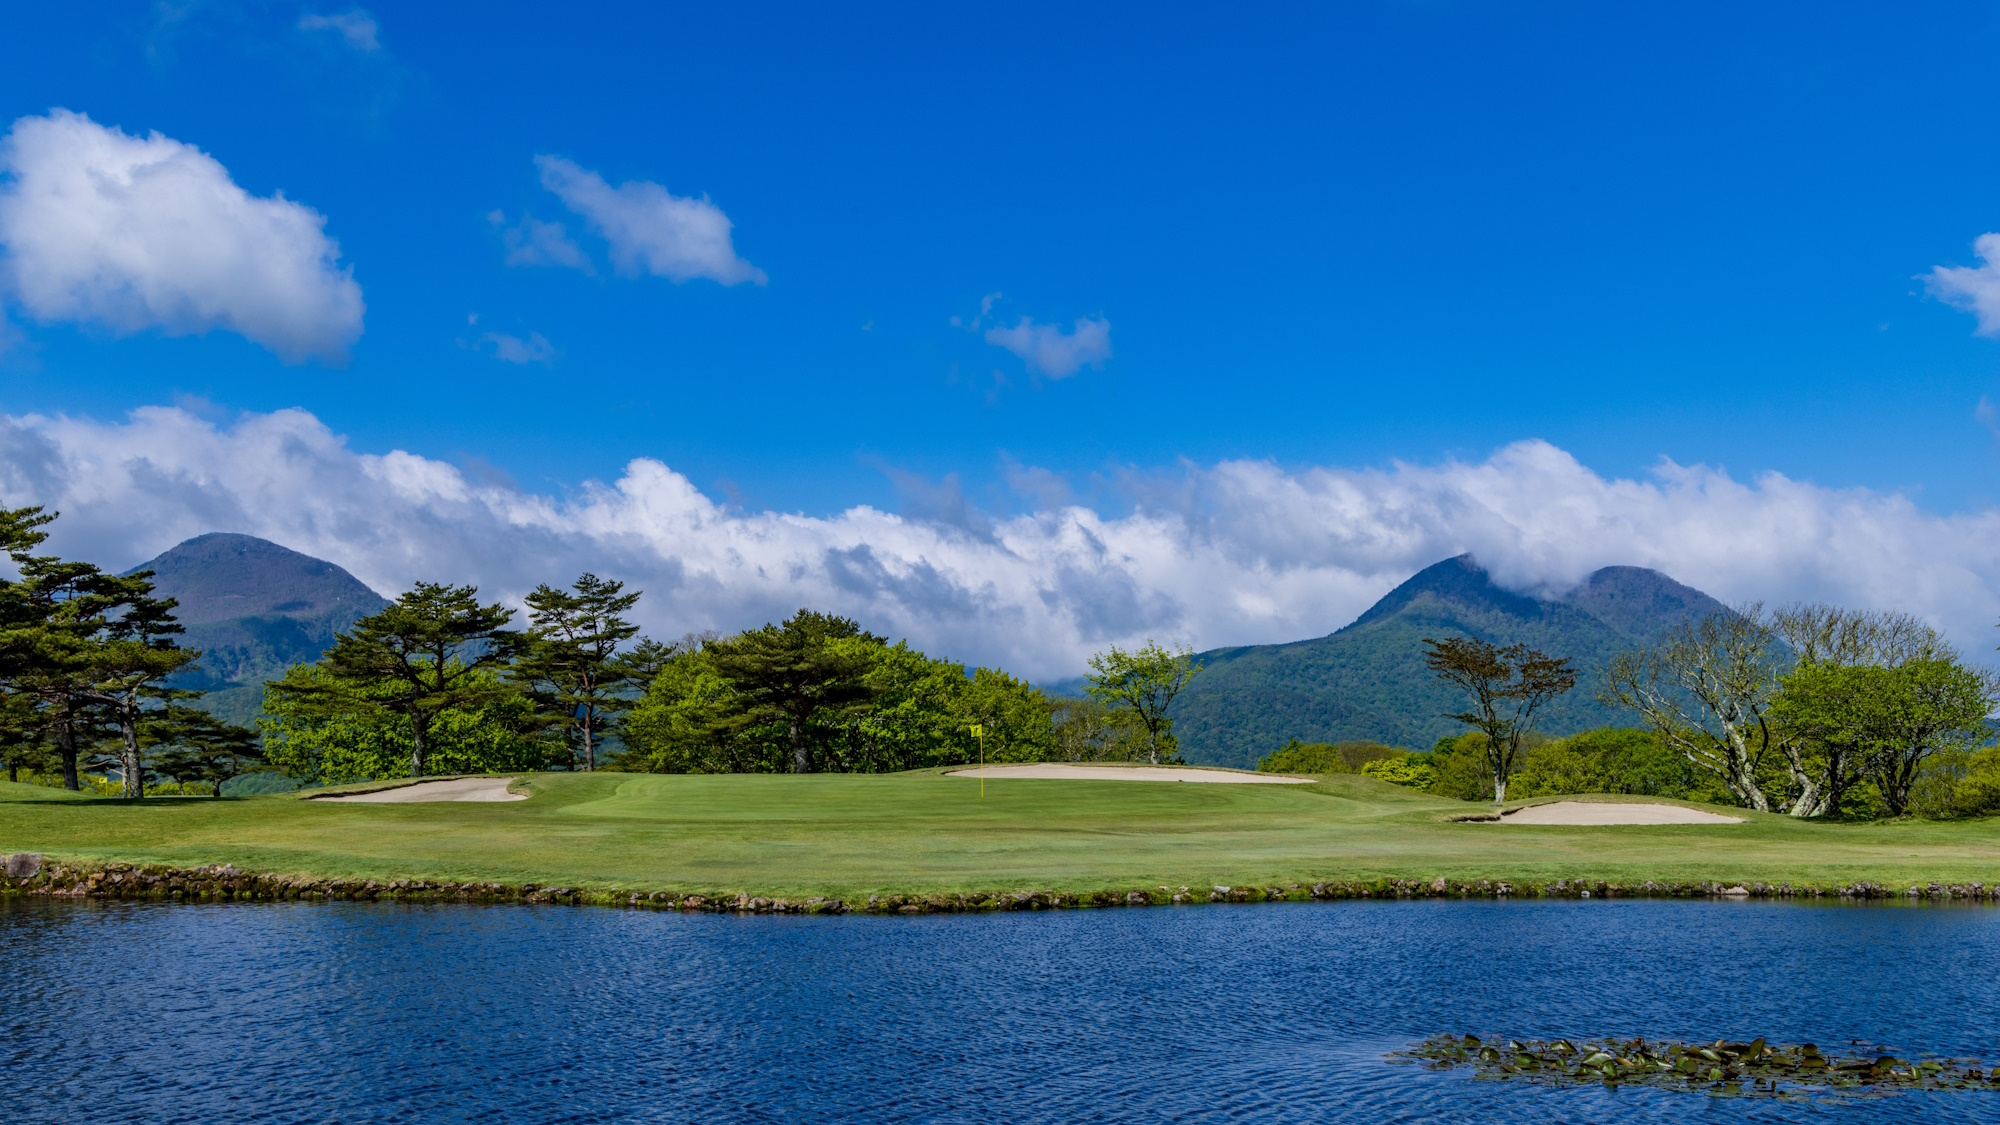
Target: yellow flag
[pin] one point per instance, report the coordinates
(978, 731)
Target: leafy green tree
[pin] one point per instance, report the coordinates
(649, 657)
(93, 647)
(1958, 783)
(1015, 714)
(1506, 687)
(1924, 707)
(1091, 730)
(1828, 705)
(570, 658)
(188, 744)
(915, 714)
(799, 676)
(24, 737)
(1830, 716)
(1145, 683)
(419, 658)
(130, 650)
(908, 711)
(681, 724)
(320, 732)
(45, 647)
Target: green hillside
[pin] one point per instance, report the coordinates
(1368, 680)
(254, 608)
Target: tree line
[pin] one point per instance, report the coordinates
(442, 681)
(439, 679)
(1810, 710)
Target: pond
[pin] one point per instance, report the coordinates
(365, 1013)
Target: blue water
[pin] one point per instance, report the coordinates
(365, 1013)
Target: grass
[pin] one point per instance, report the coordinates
(922, 832)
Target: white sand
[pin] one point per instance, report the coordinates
(455, 789)
(1128, 773)
(1592, 812)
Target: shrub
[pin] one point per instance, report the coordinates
(1305, 757)
(1408, 770)
(1325, 757)
(1460, 767)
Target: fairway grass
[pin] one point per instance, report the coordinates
(849, 835)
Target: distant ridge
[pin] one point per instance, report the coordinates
(1367, 680)
(254, 608)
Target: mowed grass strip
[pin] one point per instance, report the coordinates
(922, 832)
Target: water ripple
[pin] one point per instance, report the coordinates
(360, 1013)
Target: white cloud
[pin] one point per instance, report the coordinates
(513, 349)
(1974, 289)
(650, 229)
(356, 26)
(1052, 351)
(532, 242)
(1235, 553)
(146, 232)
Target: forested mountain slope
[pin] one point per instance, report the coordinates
(1368, 680)
(253, 608)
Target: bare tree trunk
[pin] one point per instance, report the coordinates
(1810, 801)
(799, 762)
(135, 767)
(66, 745)
(589, 749)
(416, 745)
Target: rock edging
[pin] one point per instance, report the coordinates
(28, 874)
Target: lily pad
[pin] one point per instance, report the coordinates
(1723, 1067)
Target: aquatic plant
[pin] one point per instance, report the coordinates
(1754, 1069)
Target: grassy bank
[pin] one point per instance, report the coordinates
(922, 833)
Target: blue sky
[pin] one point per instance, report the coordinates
(1335, 235)
(1350, 233)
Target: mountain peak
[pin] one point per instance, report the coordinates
(223, 576)
(1637, 601)
(1368, 680)
(1458, 581)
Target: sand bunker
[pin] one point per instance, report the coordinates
(1592, 812)
(1128, 773)
(454, 789)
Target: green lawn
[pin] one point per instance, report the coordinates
(922, 832)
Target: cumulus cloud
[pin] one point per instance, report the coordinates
(357, 27)
(513, 349)
(1052, 351)
(1976, 289)
(649, 229)
(1234, 553)
(101, 227)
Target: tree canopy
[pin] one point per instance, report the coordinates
(1144, 683)
(1506, 688)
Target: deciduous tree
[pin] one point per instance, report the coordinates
(1506, 686)
(1145, 682)
(1706, 689)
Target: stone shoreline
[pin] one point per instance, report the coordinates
(28, 875)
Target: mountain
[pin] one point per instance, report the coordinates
(1368, 680)
(253, 608)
